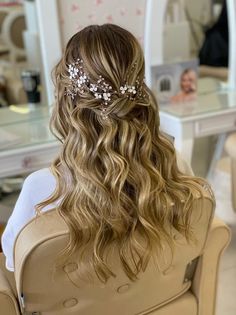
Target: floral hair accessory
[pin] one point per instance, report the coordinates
(101, 90)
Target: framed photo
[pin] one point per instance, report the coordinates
(176, 82)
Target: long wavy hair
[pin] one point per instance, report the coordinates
(118, 183)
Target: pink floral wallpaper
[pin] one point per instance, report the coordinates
(76, 14)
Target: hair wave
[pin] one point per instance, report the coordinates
(118, 183)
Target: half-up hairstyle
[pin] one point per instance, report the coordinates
(118, 183)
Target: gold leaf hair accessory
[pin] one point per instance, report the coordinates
(101, 90)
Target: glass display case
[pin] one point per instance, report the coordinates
(24, 125)
(26, 143)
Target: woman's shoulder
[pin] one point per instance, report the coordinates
(39, 185)
(41, 176)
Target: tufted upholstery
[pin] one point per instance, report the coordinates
(167, 287)
(230, 147)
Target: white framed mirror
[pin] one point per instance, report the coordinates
(54, 29)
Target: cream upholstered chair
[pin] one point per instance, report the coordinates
(230, 147)
(185, 284)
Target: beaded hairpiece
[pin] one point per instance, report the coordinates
(81, 83)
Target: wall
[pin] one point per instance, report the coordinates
(76, 14)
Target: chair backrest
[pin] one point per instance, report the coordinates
(12, 32)
(3, 14)
(48, 288)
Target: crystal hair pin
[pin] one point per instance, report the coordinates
(101, 90)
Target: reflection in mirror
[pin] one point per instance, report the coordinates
(201, 30)
(208, 23)
(12, 52)
(19, 53)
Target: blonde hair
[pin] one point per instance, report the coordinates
(118, 182)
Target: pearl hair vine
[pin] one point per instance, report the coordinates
(80, 83)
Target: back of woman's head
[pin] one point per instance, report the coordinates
(117, 177)
(113, 54)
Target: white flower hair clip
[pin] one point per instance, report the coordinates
(101, 90)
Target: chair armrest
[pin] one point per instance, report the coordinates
(230, 148)
(8, 302)
(233, 182)
(204, 285)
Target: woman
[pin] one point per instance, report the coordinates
(116, 180)
(188, 86)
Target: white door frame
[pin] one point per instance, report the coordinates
(50, 41)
